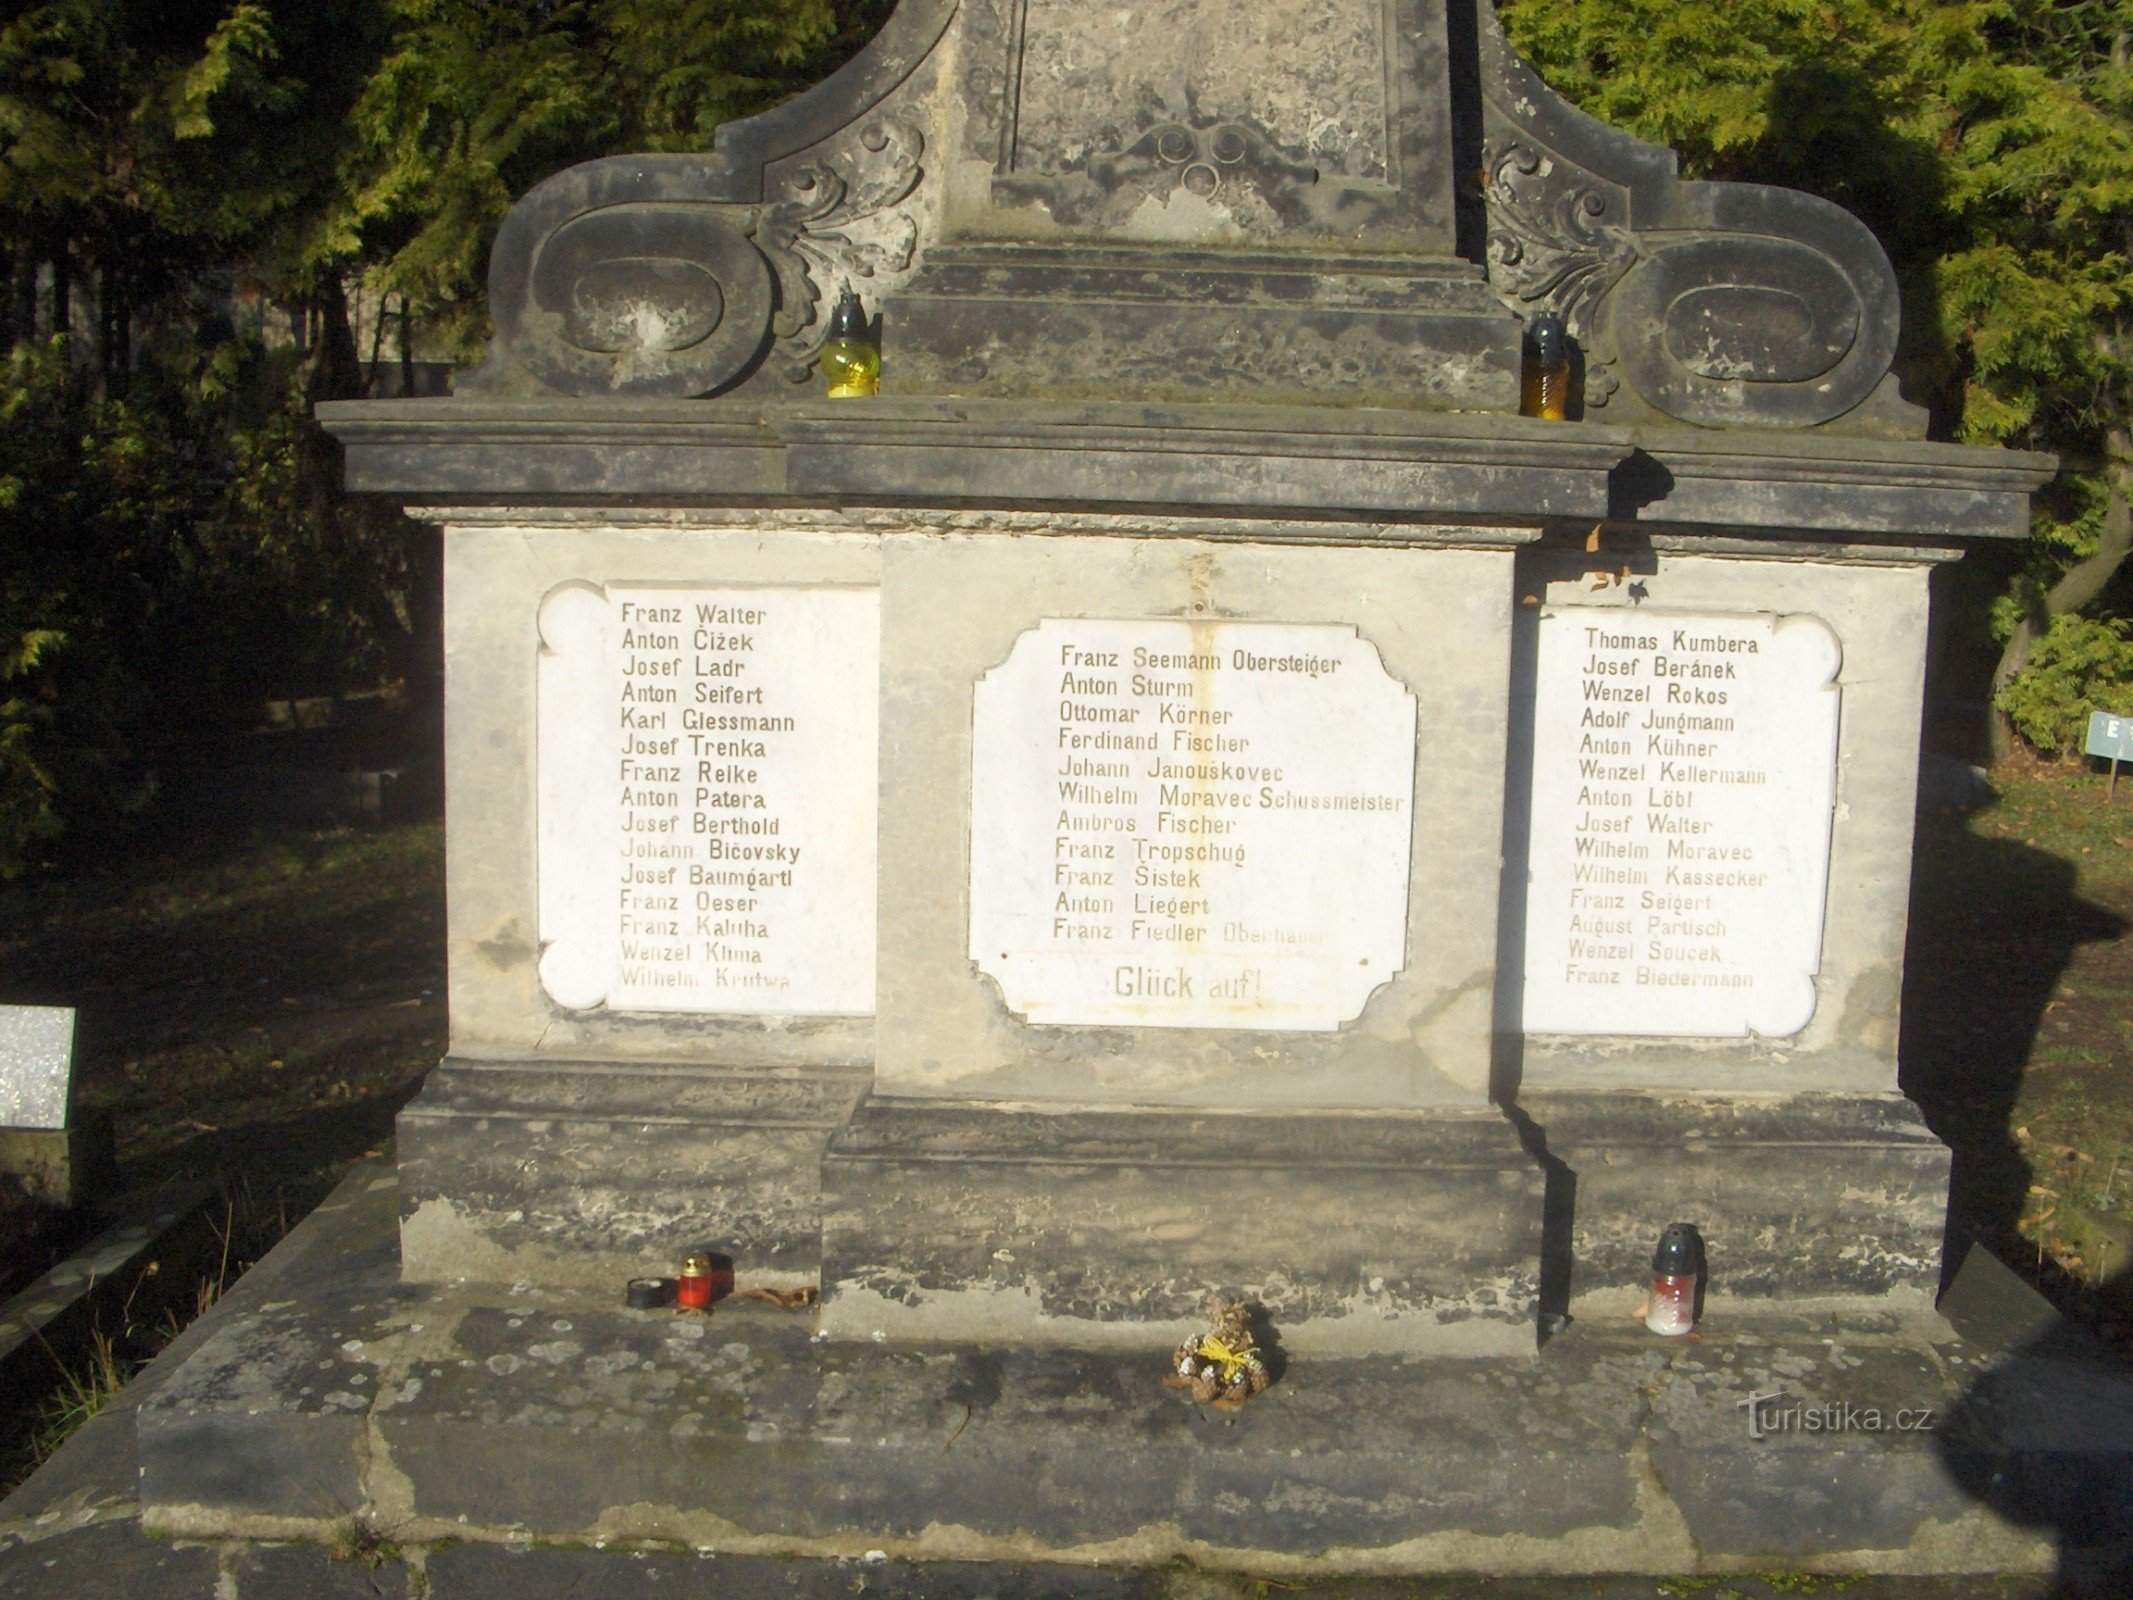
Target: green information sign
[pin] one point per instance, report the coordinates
(2110, 737)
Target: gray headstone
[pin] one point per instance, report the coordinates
(36, 1065)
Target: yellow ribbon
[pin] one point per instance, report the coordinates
(1231, 1362)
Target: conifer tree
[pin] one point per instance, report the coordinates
(1989, 143)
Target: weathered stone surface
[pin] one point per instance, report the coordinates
(1190, 824)
(1094, 235)
(1733, 1428)
(112, 1559)
(308, 1572)
(1060, 322)
(1679, 859)
(1357, 1233)
(496, 581)
(591, 1174)
(553, 1417)
(1275, 463)
(1246, 178)
(489, 1572)
(1799, 1197)
(1877, 610)
(69, 1166)
(953, 608)
(707, 771)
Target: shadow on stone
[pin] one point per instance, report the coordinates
(1559, 1199)
(2044, 1437)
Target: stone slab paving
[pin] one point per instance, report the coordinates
(484, 1413)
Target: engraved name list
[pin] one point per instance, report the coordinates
(1197, 825)
(1683, 777)
(707, 782)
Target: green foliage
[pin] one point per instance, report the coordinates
(172, 538)
(1988, 143)
(470, 104)
(27, 787)
(2082, 664)
(693, 64)
(163, 556)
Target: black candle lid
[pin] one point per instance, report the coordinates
(1680, 1252)
(1548, 340)
(849, 320)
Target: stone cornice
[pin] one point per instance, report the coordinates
(1409, 467)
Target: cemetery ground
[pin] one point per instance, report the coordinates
(257, 1002)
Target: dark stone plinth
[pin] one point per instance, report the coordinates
(68, 1166)
(108, 1559)
(540, 1417)
(589, 1173)
(1053, 322)
(1392, 474)
(1354, 1230)
(1798, 1197)
(491, 1572)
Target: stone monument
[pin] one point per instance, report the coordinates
(1186, 788)
(56, 1150)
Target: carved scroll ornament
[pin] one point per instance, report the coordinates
(1721, 304)
(672, 276)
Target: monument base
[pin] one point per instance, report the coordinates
(324, 1393)
(69, 1166)
(1279, 327)
(585, 1174)
(1809, 1199)
(1355, 1231)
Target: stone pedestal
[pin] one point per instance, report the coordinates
(1205, 823)
(1185, 790)
(1356, 1232)
(1703, 960)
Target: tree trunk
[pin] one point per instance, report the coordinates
(377, 348)
(62, 294)
(111, 354)
(333, 367)
(2077, 586)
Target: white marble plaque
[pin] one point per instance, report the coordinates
(36, 1066)
(1684, 773)
(1190, 825)
(706, 797)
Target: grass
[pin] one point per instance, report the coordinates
(2018, 1028)
(254, 1007)
(246, 1000)
(83, 1392)
(252, 1222)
